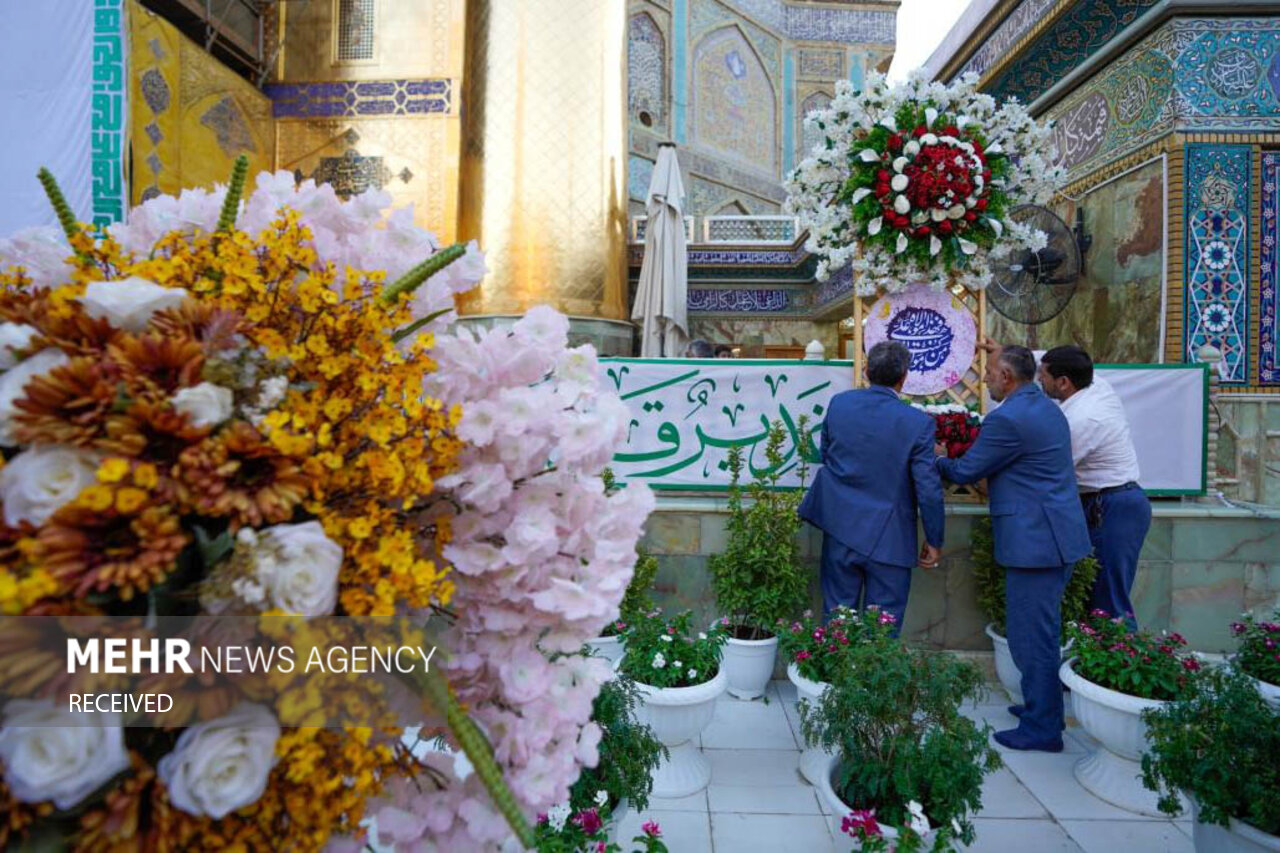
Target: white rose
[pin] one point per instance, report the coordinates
(38, 482)
(205, 404)
(51, 754)
(13, 382)
(129, 302)
(13, 337)
(902, 204)
(899, 183)
(299, 568)
(222, 765)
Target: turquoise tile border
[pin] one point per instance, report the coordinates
(855, 70)
(789, 110)
(680, 67)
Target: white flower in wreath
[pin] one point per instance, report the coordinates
(49, 753)
(206, 404)
(41, 480)
(222, 765)
(899, 183)
(902, 204)
(13, 337)
(130, 302)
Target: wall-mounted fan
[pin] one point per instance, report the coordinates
(1034, 287)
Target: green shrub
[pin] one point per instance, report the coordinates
(1138, 663)
(988, 577)
(759, 578)
(1221, 746)
(637, 600)
(629, 752)
(893, 715)
(1259, 653)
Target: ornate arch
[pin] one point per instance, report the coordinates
(735, 108)
(646, 72)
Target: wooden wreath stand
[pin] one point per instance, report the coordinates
(969, 391)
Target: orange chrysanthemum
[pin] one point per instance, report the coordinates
(72, 404)
(236, 474)
(214, 327)
(98, 550)
(165, 363)
(114, 826)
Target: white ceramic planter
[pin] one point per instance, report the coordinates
(677, 715)
(836, 810)
(617, 817)
(1237, 837)
(609, 648)
(815, 760)
(1006, 670)
(748, 664)
(1270, 692)
(1113, 772)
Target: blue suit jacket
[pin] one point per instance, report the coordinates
(877, 465)
(1024, 451)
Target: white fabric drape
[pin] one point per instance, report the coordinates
(46, 108)
(662, 299)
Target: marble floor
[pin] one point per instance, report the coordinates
(757, 800)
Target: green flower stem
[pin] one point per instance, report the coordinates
(66, 218)
(478, 751)
(235, 190)
(413, 279)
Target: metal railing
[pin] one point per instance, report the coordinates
(731, 230)
(640, 224)
(756, 230)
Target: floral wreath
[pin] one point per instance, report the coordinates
(916, 183)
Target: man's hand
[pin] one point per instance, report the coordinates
(939, 449)
(990, 346)
(929, 556)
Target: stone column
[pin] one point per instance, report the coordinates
(1211, 356)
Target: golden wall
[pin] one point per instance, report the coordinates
(398, 125)
(191, 115)
(544, 154)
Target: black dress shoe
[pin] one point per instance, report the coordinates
(1015, 739)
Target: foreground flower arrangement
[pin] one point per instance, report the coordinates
(219, 409)
(957, 425)
(915, 182)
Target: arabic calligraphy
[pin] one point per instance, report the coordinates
(1233, 72)
(925, 333)
(686, 418)
(1078, 135)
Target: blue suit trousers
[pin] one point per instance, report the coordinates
(845, 576)
(1118, 525)
(1033, 617)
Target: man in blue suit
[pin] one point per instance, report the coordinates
(877, 467)
(1024, 452)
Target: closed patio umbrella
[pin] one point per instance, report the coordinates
(661, 305)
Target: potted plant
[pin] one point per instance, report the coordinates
(989, 581)
(629, 754)
(1219, 746)
(679, 677)
(1116, 674)
(1259, 654)
(635, 602)
(813, 650)
(906, 766)
(758, 578)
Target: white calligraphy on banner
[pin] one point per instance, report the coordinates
(687, 413)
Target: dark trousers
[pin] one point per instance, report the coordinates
(1033, 619)
(1118, 525)
(845, 575)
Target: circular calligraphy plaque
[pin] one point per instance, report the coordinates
(936, 328)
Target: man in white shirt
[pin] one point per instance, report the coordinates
(1115, 506)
